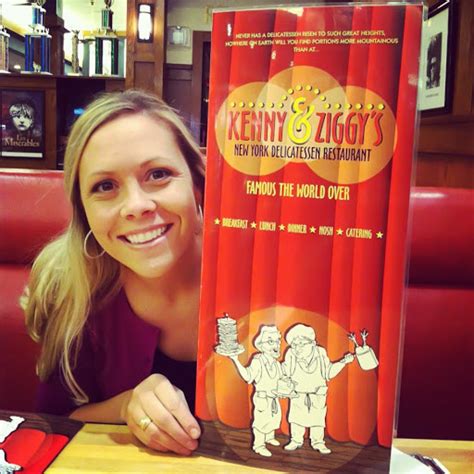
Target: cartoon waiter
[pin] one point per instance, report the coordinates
(308, 366)
(264, 371)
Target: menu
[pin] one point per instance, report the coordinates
(29, 442)
(312, 119)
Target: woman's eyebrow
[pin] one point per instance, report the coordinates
(107, 172)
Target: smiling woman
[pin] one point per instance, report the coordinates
(114, 300)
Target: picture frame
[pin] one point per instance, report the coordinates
(22, 124)
(437, 59)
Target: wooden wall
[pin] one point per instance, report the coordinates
(145, 60)
(446, 141)
(177, 89)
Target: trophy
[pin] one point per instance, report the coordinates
(76, 70)
(106, 44)
(37, 41)
(4, 44)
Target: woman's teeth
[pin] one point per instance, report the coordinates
(146, 236)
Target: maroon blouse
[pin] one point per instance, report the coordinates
(117, 353)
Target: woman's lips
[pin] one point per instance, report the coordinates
(146, 237)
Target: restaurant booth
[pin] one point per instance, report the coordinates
(436, 384)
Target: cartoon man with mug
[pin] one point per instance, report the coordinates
(308, 366)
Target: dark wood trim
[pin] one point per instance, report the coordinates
(463, 95)
(199, 38)
(178, 72)
(55, 24)
(141, 57)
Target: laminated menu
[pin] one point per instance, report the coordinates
(29, 442)
(312, 118)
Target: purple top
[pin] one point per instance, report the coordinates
(116, 355)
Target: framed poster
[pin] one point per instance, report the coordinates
(437, 52)
(22, 124)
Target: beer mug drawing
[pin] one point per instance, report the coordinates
(364, 354)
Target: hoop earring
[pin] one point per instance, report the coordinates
(200, 225)
(86, 253)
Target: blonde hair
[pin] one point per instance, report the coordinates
(64, 284)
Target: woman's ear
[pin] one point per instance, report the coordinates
(198, 197)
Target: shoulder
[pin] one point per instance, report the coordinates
(256, 360)
(322, 352)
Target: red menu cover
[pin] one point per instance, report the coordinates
(29, 442)
(309, 158)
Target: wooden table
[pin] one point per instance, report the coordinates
(111, 448)
(457, 456)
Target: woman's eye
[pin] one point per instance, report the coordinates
(159, 174)
(103, 187)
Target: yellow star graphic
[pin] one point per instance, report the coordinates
(282, 227)
(379, 235)
(339, 231)
(217, 221)
(253, 225)
(312, 230)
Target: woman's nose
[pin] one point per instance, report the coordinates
(136, 203)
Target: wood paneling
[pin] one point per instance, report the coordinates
(145, 60)
(453, 136)
(446, 142)
(143, 75)
(434, 169)
(199, 38)
(177, 89)
(55, 24)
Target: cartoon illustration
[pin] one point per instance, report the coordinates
(264, 371)
(302, 377)
(6, 429)
(365, 355)
(308, 365)
(227, 335)
(5, 466)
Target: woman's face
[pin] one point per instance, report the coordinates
(138, 195)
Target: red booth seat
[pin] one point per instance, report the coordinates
(436, 385)
(436, 397)
(33, 209)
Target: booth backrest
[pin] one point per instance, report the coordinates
(436, 385)
(436, 395)
(33, 209)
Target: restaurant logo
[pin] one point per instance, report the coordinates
(304, 116)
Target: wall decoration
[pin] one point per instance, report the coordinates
(437, 52)
(22, 124)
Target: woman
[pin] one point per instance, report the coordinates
(114, 300)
